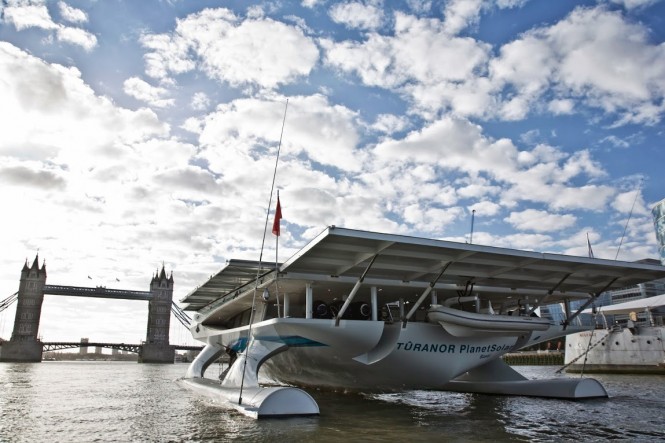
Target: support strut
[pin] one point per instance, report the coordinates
(424, 294)
(354, 291)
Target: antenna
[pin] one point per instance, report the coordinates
(473, 216)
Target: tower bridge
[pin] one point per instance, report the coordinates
(25, 346)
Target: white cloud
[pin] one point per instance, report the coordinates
(526, 65)
(389, 123)
(28, 15)
(77, 36)
(593, 56)
(72, 119)
(420, 50)
(324, 133)
(422, 61)
(634, 4)
(109, 178)
(615, 141)
(525, 241)
(540, 221)
(259, 51)
(459, 14)
(24, 16)
(200, 101)
(477, 188)
(31, 174)
(485, 208)
(625, 202)
(419, 6)
(357, 15)
(142, 90)
(543, 174)
(431, 219)
(311, 3)
(561, 106)
(71, 14)
(455, 144)
(504, 4)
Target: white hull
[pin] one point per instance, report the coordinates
(617, 351)
(358, 355)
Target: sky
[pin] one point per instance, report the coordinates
(136, 135)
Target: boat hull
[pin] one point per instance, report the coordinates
(617, 351)
(371, 355)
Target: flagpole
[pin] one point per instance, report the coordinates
(278, 208)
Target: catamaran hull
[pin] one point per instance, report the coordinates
(370, 356)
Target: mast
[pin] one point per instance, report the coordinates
(258, 269)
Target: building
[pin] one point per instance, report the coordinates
(658, 212)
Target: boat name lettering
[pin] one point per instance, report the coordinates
(425, 347)
(468, 349)
(446, 348)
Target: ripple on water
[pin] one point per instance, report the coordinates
(90, 401)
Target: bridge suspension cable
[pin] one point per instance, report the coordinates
(4, 304)
(182, 317)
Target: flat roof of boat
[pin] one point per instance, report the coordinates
(634, 305)
(343, 255)
(235, 274)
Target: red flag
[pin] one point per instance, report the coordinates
(278, 217)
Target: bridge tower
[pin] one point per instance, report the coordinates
(156, 348)
(24, 345)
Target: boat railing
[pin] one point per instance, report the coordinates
(658, 320)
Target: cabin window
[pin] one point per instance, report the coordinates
(240, 319)
(271, 311)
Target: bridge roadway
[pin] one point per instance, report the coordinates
(97, 292)
(103, 292)
(56, 346)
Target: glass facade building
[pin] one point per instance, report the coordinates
(658, 212)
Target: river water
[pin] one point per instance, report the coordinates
(130, 402)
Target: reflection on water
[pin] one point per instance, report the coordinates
(122, 401)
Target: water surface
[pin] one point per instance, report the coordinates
(127, 402)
